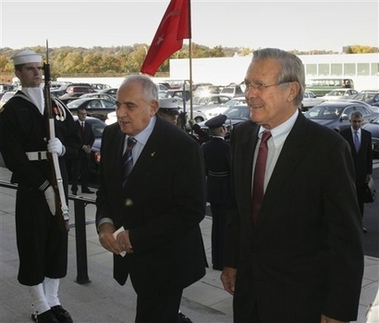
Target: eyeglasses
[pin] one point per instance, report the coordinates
(258, 86)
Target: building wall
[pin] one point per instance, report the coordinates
(362, 68)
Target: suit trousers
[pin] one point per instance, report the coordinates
(218, 234)
(159, 309)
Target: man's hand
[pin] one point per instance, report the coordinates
(124, 241)
(107, 240)
(50, 199)
(87, 149)
(325, 319)
(228, 278)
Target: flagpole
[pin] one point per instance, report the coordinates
(190, 57)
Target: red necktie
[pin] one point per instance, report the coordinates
(83, 126)
(259, 175)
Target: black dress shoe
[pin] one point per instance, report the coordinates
(364, 230)
(61, 314)
(183, 319)
(87, 190)
(34, 316)
(47, 317)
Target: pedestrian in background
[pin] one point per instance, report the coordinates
(150, 204)
(294, 234)
(41, 243)
(80, 165)
(216, 153)
(361, 151)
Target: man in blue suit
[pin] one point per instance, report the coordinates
(361, 151)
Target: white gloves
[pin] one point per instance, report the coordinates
(50, 199)
(55, 146)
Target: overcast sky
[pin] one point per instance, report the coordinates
(302, 25)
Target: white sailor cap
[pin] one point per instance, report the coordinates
(169, 106)
(26, 56)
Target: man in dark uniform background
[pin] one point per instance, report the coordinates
(362, 155)
(169, 110)
(80, 165)
(41, 243)
(216, 154)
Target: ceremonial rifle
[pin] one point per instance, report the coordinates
(56, 180)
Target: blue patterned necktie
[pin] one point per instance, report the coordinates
(356, 141)
(127, 160)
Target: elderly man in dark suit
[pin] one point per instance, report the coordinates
(156, 207)
(361, 151)
(293, 243)
(80, 165)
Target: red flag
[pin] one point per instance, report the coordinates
(174, 27)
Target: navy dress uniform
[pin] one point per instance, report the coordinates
(41, 244)
(216, 152)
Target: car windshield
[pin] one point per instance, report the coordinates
(238, 112)
(233, 102)
(74, 104)
(337, 93)
(367, 96)
(200, 100)
(324, 112)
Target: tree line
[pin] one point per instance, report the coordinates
(124, 60)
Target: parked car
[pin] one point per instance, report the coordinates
(112, 91)
(204, 103)
(370, 97)
(335, 114)
(177, 93)
(225, 106)
(235, 115)
(310, 100)
(6, 96)
(197, 115)
(373, 127)
(98, 95)
(232, 90)
(4, 87)
(98, 129)
(340, 94)
(97, 108)
(211, 99)
(100, 86)
(77, 89)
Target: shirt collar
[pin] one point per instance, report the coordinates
(280, 133)
(144, 135)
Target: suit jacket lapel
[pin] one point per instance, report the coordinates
(287, 162)
(149, 152)
(248, 145)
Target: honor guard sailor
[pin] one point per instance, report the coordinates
(42, 245)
